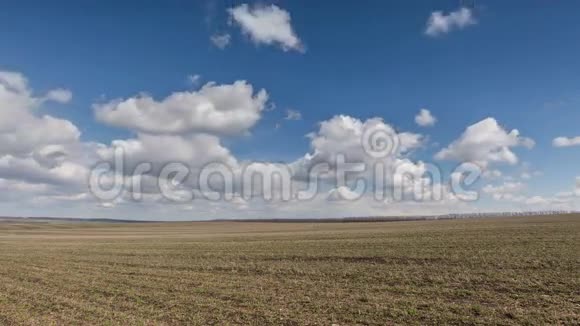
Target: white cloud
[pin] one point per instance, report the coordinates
(566, 141)
(240, 203)
(341, 138)
(268, 25)
(492, 174)
(575, 192)
(217, 109)
(485, 142)
(424, 118)
(505, 188)
(343, 135)
(21, 129)
(409, 141)
(342, 193)
(30, 132)
(194, 80)
(526, 176)
(514, 192)
(14, 81)
(38, 153)
(192, 150)
(547, 203)
(536, 200)
(293, 115)
(439, 23)
(27, 169)
(221, 41)
(60, 95)
(44, 164)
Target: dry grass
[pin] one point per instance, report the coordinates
(492, 271)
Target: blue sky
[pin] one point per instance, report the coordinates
(513, 61)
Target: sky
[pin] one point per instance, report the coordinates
(483, 94)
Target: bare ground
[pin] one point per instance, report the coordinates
(521, 270)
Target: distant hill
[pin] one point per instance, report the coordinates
(299, 220)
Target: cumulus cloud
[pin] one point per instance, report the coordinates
(221, 41)
(440, 23)
(38, 152)
(566, 141)
(65, 173)
(14, 81)
(424, 118)
(49, 164)
(30, 132)
(44, 161)
(485, 142)
(21, 129)
(344, 135)
(194, 151)
(218, 109)
(267, 25)
(342, 139)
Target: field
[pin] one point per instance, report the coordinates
(521, 270)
